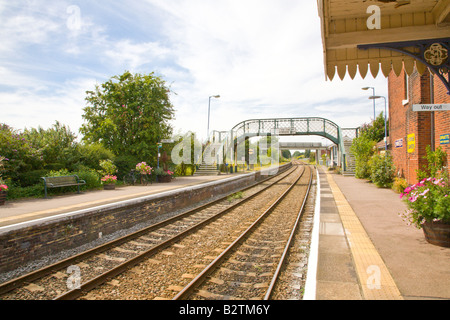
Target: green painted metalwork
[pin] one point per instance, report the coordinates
(288, 127)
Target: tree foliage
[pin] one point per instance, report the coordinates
(375, 130)
(57, 144)
(18, 153)
(364, 147)
(129, 114)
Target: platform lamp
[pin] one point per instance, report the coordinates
(374, 112)
(385, 116)
(209, 112)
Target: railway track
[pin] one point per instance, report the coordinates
(104, 263)
(166, 274)
(250, 267)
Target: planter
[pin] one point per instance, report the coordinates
(164, 179)
(437, 233)
(111, 186)
(3, 195)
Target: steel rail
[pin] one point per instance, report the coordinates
(288, 244)
(35, 275)
(95, 282)
(197, 281)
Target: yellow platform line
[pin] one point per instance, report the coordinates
(374, 277)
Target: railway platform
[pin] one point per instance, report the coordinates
(19, 212)
(365, 251)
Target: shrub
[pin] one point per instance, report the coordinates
(437, 161)
(17, 192)
(92, 154)
(125, 164)
(399, 185)
(108, 167)
(363, 149)
(54, 166)
(18, 154)
(382, 170)
(57, 143)
(91, 177)
(59, 173)
(31, 178)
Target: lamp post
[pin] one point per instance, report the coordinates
(209, 112)
(385, 116)
(374, 113)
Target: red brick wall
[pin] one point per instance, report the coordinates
(397, 116)
(442, 118)
(403, 121)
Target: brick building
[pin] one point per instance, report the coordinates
(403, 40)
(411, 132)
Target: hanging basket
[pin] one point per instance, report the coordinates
(437, 233)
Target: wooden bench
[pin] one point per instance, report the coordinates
(59, 182)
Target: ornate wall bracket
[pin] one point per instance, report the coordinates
(433, 53)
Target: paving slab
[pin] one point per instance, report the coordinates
(387, 258)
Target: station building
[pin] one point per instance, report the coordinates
(408, 42)
(412, 131)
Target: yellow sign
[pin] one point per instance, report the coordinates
(411, 143)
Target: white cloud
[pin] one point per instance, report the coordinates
(135, 55)
(264, 57)
(26, 107)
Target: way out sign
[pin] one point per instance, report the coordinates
(431, 107)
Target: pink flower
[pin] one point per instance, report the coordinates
(3, 187)
(109, 179)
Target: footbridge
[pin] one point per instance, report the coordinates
(301, 146)
(315, 126)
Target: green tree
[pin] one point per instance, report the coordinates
(129, 114)
(296, 155)
(286, 154)
(375, 130)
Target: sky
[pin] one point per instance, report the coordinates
(263, 57)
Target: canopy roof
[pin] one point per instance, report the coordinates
(408, 29)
